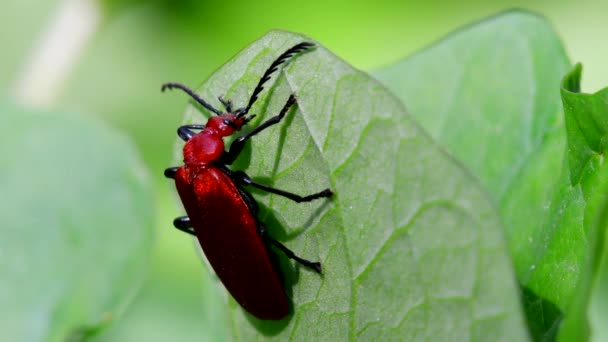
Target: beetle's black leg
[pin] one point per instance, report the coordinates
(242, 178)
(237, 145)
(173, 85)
(170, 172)
(271, 69)
(185, 132)
(249, 200)
(315, 266)
(226, 103)
(183, 223)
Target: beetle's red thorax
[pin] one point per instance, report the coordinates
(207, 146)
(203, 148)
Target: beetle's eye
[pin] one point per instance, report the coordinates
(230, 123)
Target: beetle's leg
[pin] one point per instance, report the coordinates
(226, 103)
(183, 223)
(271, 69)
(185, 132)
(249, 200)
(170, 172)
(315, 266)
(237, 145)
(242, 178)
(185, 89)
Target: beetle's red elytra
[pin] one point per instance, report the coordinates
(222, 214)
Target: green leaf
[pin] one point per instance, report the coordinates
(77, 219)
(586, 124)
(489, 94)
(411, 246)
(587, 127)
(598, 310)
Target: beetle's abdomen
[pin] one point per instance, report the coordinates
(227, 233)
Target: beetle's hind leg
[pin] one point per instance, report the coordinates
(183, 223)
(314, 265)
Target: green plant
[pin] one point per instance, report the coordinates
(469, 205)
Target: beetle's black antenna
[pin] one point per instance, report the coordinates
(273, 67)
(192, 94)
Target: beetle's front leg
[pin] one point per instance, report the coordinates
(239, 143)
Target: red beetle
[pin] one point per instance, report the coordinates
(222, 214)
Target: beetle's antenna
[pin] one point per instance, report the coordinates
(192, 94)
(273, 67)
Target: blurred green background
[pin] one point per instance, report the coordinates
(134, 46)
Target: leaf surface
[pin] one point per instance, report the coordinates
(411, 246)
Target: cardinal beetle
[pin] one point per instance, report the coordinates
(222, 214)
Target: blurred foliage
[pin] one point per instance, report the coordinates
(141, 44)
(77, 227)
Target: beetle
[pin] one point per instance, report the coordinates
(222, 214)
